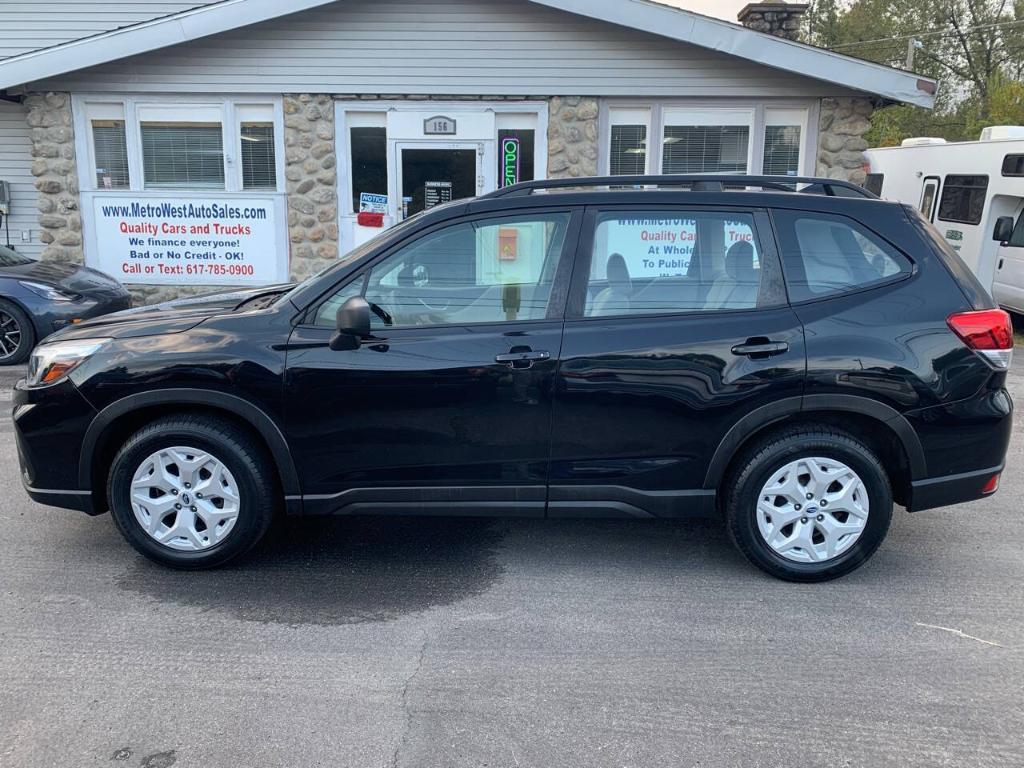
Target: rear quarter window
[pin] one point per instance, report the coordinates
(825, 255)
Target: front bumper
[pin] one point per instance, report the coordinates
(49, 427)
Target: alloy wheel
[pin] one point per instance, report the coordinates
(185, 498)
(10, 335)
(812, 510)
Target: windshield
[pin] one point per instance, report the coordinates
(11, 258)
(354, 255)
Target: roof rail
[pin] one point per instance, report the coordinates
(706, 182)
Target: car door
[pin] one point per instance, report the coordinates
(677, 327)
(447, 407)
(1008, 285)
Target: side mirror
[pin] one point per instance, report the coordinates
(1003, 230)
(353, 324)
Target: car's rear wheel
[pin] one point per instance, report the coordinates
(192, 492)
(808, 504)
(17, 336)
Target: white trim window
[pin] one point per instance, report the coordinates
(160, 144)
(706, 140)
(704, 136)
(629, 132)
(784, 133)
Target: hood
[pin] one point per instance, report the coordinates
(211, 302)
(167, 317)
(71, 278)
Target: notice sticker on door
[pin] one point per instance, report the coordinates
(372, 203)
(436, 192)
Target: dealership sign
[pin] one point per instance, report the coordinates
(181, 241)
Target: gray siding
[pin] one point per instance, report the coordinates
(28, 26)
(482, 47)
(15, 165)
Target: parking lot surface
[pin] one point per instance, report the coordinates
(432, 642)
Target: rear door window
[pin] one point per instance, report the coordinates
(825, 255)
(928, 194)
(669, 261)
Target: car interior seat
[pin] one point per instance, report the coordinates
(615, 299)
(738, 287)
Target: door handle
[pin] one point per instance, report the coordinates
(760, 348)
(521, 358)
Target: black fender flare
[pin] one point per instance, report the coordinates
(233, 404)
(809, 404)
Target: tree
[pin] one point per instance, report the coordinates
(975, 48)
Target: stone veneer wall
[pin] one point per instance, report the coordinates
(779, 19)
(311, 177)
(572, 137)
(53, 165)
(842, 124)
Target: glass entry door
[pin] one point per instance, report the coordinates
(429, 175)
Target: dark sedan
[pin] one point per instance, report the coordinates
(40, 297)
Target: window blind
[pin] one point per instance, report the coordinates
(183, 155)
(628, 150)
(705, 149)
(259, 169)
(110, 149)
(782, 150)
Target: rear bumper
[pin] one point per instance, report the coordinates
(965, 445)
(952, 489)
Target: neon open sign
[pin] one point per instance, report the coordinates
(510, 161)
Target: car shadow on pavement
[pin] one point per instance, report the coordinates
(330, 571)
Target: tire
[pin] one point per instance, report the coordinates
(782, 458)
(14, 320)
(239, 477)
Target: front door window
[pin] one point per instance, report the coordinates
(482, 271)
(434, 176)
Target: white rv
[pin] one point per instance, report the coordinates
(973, 192)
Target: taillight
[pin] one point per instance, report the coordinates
(988, 332)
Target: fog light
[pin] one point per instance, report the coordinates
(992, 485)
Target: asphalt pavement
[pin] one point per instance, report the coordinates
(431, 642)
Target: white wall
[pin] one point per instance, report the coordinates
(15, 165)
(452, 47)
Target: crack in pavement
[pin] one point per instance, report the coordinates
(958, 633)
(405, 700)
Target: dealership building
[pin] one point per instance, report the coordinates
(181, 145)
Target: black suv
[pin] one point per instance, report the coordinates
(792, 354)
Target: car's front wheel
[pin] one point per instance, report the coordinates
(17, 337)
(808, 504)
(192, 491)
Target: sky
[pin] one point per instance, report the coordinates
(723, 9)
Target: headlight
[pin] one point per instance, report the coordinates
(51, 363)
(47, 291)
